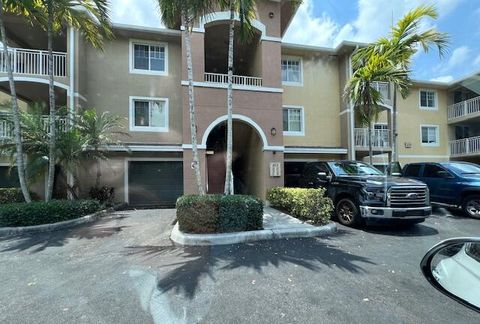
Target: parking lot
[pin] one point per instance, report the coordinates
(126, 270)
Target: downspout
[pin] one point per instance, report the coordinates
(71, 72)
(352, 112)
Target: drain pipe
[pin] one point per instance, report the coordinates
(352, 111)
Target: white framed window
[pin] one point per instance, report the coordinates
(148, 57)
(292, 70)
(428, 99)
(148, 114)
(430, 135)
(293, 121)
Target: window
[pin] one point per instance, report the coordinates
(293, 121)
(148, 114)
(412, 170)
(434, 171)
(430, 135)
(380, 126)
(292, 71)
(148, 58)
(428, 99)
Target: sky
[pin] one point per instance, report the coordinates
(329, 22)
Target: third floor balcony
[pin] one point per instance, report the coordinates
(34, 62)
(380, 139)
(464, 109)
(385, 91)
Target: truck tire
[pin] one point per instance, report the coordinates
(347, 212)
(471, 206)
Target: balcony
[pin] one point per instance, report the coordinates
(465, 147)
(467, 108)
(240, 80)
(6, 125)
(385, 91)
(34, 62)
(380, 137)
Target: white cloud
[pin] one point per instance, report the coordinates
(459, 56)
(135, 12)
(476, 62)
(443, 78)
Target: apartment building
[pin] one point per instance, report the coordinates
(288, 106)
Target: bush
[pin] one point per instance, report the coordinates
(304, 204)
(219, 214)
(13, 195)
(104, 194)
(39, 212)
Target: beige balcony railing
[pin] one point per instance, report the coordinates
(6, 125)
(380, 138)
(34, 62)
(384, 89)
(464, 108)
(237, 79)
(466, 146)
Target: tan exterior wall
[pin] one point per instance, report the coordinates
(320, 99)
(110, 84)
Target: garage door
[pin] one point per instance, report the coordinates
(8, 177)
(157, 183)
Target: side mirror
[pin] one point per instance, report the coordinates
(394, 169)
(453, 267)
(323, 176)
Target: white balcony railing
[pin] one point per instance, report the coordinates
(464, 108)
(384, 89)
(6, 125)
(237, 79)
(380, 137)
(34, 62)
(466, 146)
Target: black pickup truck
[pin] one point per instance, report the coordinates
(362, 193)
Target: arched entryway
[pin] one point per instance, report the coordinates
(248, 159)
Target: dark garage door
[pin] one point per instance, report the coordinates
(155, 183)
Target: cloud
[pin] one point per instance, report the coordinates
(459, 56)
(476, 62)
(443, 78)
(135, 12)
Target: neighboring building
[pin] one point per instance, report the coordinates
(288, 105)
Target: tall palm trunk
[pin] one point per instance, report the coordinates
(370, 141)
(394, 125)
(191, 108)
(51, 94)
(15, 112)
(228, 173)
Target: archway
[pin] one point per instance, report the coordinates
(247, 159)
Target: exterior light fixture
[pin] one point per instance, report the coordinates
(271, 15)
(273, 131)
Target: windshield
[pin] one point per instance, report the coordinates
(354, 169)
(465, 168)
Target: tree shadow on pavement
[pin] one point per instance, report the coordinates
(190, 264)
(37, 242)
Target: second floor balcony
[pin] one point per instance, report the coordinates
(34, 62)
(6, 125)
(237, 79)
(465, 147)
(380, 139)
(466, 108)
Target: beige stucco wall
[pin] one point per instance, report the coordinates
(320, 99)
(110, 84)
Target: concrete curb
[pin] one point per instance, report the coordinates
(242, 237)
(12, 231)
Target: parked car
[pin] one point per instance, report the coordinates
(361, 193)
(451, 184)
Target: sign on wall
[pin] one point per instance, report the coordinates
(275, 169)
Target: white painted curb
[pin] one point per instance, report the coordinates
(242, 237)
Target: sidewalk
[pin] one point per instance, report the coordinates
(276, 225)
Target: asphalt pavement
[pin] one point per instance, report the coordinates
(126, 270)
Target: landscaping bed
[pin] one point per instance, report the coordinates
(305, 204)
(219, 214)
(39, 212)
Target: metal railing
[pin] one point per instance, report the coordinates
(237, 79)
(380, 137)
(34, 62)
(464, 108)
(385, 91)
(6, 125)
(465, 146)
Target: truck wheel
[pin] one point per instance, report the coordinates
(347, 212)
(471, 206)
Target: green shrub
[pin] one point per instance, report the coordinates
(39, 212)
(219, 214)
(13, 195)
(304, 204)
(105, 195)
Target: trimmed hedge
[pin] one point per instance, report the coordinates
(13, 195)
(219, 214)
(304, 204)
(39, 212)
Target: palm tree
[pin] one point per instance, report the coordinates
(24, 8)
(404, 41)
(173, 12)
(98, 131)
(88, 16)
(365, 97)
(245, 9)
